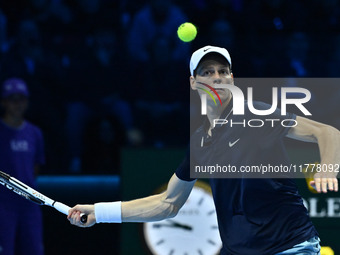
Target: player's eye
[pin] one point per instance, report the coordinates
(224, 72)
(210, 72)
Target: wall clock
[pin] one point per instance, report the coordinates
(193, 231)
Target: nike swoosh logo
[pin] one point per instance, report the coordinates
(232, 144)
(206, 49)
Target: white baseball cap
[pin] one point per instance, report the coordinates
(200, 53)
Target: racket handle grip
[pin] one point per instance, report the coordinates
(64, 209)
(61, 207)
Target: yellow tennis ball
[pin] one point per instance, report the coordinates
(326, 250)
(187, 32)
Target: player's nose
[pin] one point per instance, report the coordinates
(217, 81)
(217, 78)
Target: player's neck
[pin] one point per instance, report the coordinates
(215, 113)
(13, 121)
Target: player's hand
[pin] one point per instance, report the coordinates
(74, 215)
(324, 181)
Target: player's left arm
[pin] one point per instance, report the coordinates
(328, 140)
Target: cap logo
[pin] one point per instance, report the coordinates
(206, 49)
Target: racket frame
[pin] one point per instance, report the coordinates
(31, 194)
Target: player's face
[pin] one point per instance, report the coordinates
(212, 72)
(15, 105)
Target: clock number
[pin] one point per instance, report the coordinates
(211, 242)
(160, 242)
(214, 227)
(200, 201)
(211, 212)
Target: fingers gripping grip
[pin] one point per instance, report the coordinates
(64, 209)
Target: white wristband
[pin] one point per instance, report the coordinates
(108, 212)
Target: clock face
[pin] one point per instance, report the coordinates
(193, 231)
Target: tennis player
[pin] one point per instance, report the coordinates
(262, 216)
(21, 155)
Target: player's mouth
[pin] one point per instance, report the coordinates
(219, 89)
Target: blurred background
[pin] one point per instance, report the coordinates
(109, 86)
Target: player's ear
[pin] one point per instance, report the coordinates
(232, 78)
(193, 83)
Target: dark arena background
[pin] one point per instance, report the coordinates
(109, 88)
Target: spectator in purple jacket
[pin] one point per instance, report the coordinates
(22, 152)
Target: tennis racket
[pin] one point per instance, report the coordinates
(34, 196)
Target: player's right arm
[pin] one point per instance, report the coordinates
(152, 208)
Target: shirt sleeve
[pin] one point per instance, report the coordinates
(183, 171)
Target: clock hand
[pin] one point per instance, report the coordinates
(176, 224)
(173, 225)
(158, 225)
